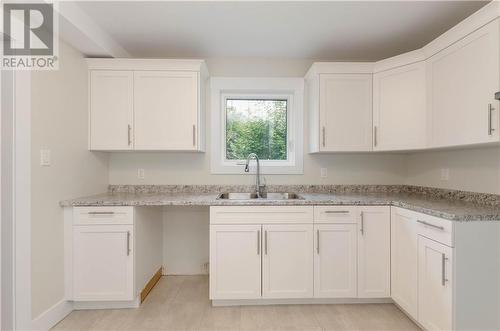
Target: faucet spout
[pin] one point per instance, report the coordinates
(257, 174)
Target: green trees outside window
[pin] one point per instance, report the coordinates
(256, 126)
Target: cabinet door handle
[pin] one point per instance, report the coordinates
(129, 136)
(375, 136)
(362, 229)
(490, 119)
(128, 243)
(324, 139)
(317, 242)
(443, 269)
(258, 242)
(101, 212)
(265, 242)
(431, 225)
(336, 212)
(194, 135)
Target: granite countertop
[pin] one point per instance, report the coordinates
(451, 209)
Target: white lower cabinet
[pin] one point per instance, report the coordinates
(404, 259)
(435, 284)
(335, 270)
(235, 261)
(287, 263)
(103, 262)
(374, 252)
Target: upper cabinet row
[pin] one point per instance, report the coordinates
(423, 99)
(146, 104)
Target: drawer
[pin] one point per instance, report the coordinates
(261, 214)
(435, 228)
(335, 214)
(103, 215)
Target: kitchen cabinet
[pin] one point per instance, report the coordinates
(287, 263)
(111, 116)
(166, 110)
(147, 104)
(435, 284)
(461, 82)
(103, 262)
(335, 270)
(235, 261)
(404, 259)
(374, 252)
(399, 108)
(340, 107)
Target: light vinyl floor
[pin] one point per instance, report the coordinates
(181, 303)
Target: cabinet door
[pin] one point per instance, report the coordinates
(235, 262)
(111, 110)
(435, 283)
(462, 80)
(287, 262)
(399, 108)
(335, 261)
(166, 110)
(103, 263)
(345, 112)
(404, 259)
(374, 252)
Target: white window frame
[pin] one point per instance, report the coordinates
(290, 89)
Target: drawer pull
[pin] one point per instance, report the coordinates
(336, 212)
(101, 212)
(128, 243)
(362, 229)
(439, 227)
(443, 269)
(258, 242)
(317, 242)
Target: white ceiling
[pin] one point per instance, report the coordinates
(342, 31)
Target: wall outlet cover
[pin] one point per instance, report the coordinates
(324, 172)
(45, 157)
(141, 173)
(445, 174)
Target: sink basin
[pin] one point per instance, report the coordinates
(251, 196)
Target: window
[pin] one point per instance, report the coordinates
(257, 115)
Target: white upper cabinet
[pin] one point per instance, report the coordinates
(340, 106)
(138, 104)
(111, 110)
(166, 110)
(399, 108)
(461, 81)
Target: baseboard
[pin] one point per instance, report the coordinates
(149, 286)
(305, 301)
(84, 305)
(52, 316)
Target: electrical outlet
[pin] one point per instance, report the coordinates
(445, 174)
(45, 157)
(324, 172)
(205, 267)
(140, 173)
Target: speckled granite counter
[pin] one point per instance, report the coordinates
(457, 205)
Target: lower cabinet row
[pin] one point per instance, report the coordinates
(347, 258)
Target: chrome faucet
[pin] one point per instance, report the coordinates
(258, 186)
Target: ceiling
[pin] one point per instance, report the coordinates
(340, 31)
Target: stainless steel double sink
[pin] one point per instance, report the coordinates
(263, 196)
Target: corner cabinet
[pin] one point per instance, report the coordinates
(340, 107)
(462, 81)
(155, 105)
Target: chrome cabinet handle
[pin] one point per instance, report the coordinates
(258, 242)
(324, 141)
(362, 229)
(317, 242)
(129, 136)
(375, 136)
(194, 135)
(265, 242)
(431, 225)
(128, 243)
(101, 212)
(336, 212)
(490, 119)
(443, 269)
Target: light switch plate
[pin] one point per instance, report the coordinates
(140, 173)
(445, 174)
(324, 172)
(45, 157)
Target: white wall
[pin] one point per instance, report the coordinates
(194, 168)
(475, 169)
(59, 123)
